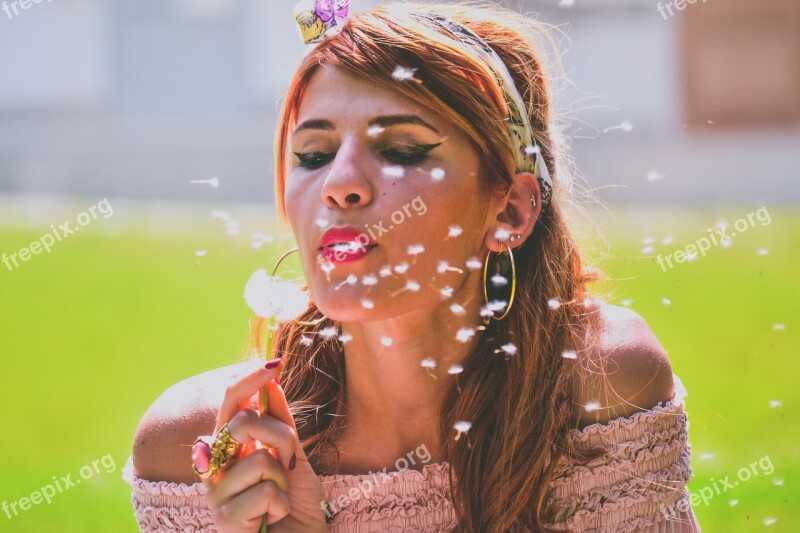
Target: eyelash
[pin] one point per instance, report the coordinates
(412, 156)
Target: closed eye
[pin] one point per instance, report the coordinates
(412, 155)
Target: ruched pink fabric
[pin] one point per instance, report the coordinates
(638, 485)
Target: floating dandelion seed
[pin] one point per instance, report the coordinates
(345, 337)
(486, 312)
(457, 309)
(652, 176)
(498, 280)
(666, 240)
(386, 341)
(328, 332)
(446, 292)
(648, 240)
(444, 266)
(464, 334)
(774, 404)
(627, 302)
(778, 482)
(706, 456)
(213, 182)
(502, 234)
(566, 4)
(691, 256)
(509, 349)
(762, 251)
(648, 250)
(321, 222)
(473, 263)
(305, 340)
(437, 174)
(553, 303)
(385, 270)
(625, 125)
(726, 243)
(462, 426)
(201, 253)
(404, 74)
(569, 354)
(412, 285)
(587, 302)
(666, 301)
(367, 304)
(369, 279)
(394, 171)
(374, 131)
(220, 215)
(401, 268)
(454, 231)
(455, 369)
(326, 266)
(428, 363)
(349, 280)
(532, 149)
(770, 520)
(778, 327)
(415, 249)
(733, 502)
(592, 406)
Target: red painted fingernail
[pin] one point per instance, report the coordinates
(272, 363)
(293, 461)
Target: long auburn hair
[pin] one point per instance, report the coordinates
(520, 407)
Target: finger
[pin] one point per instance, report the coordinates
(244, 473)
(247, 509)
(242, 390)
(279, 408)
(249, 425)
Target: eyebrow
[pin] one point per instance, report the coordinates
(383, 121)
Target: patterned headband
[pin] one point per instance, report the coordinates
(320, 19)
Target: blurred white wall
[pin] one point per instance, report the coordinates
(136, 98)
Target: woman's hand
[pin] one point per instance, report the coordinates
(286, 489)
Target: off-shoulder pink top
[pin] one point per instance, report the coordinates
(640, 485)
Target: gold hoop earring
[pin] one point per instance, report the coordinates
(275, 268)
(513, 280)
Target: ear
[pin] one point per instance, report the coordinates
(518, 215)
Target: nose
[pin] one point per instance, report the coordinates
(347, 184)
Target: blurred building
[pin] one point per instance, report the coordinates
(137, 98)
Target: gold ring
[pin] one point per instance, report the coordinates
(208, 457)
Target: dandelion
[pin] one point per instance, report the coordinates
(569, 354)
(462, 426)
(553, 303)
(213, 182)
(464, 334)
(457, 309)
(329, 332)
(404, 74)
(592, 406)
(473, 263)
(386, 341)
(272, 298)
(394, 171)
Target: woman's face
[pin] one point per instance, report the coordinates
(409, 186)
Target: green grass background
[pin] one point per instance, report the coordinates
(93, 332)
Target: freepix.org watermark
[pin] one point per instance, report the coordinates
(366, 487)
(679, 5)
(718, 234)
(377, 230)
(717, 487)
(58, 233)
(12, 8)
(59, 485)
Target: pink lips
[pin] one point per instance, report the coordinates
(345, 244)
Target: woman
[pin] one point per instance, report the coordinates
(461, 328)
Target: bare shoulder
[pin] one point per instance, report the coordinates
(625, 369)
(164, 437)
